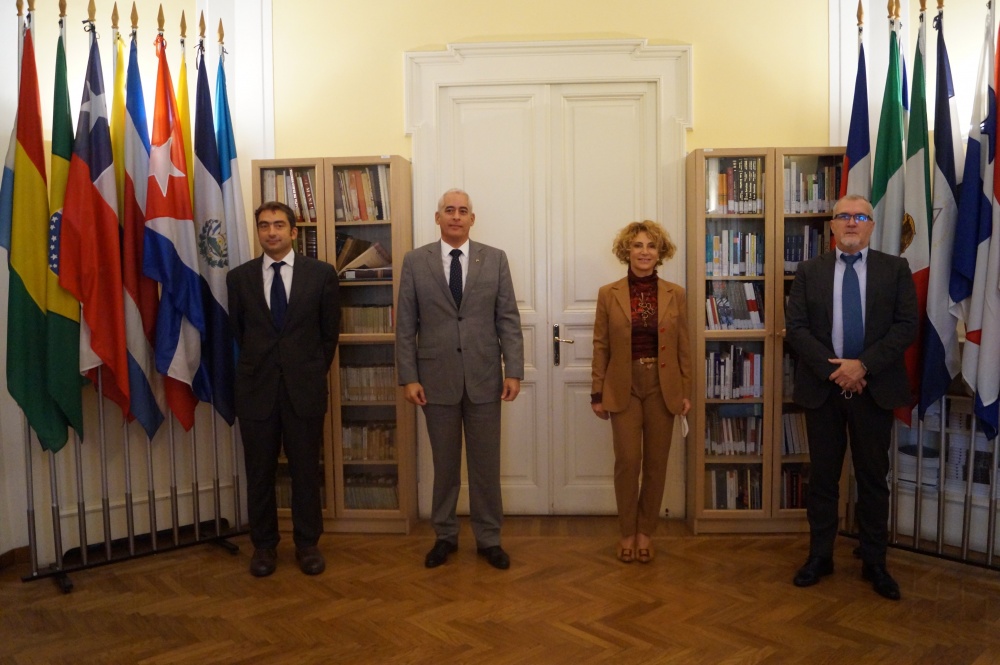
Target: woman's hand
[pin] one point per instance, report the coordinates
(685, 406)
(601, 413)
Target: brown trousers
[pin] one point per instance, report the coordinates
(641, 435)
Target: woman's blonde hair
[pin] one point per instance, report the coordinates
(622, 245)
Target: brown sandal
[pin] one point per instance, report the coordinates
(625, 554)
(645, 555)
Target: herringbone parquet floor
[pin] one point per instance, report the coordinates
(565, 599)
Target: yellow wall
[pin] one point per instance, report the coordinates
(760, 67)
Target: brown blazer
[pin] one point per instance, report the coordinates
(612, 366)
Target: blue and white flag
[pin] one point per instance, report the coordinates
(232, 193)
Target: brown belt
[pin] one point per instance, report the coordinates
(648, 362)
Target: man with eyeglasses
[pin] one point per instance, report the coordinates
(850, 316)
(284, 309)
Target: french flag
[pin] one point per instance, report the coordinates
(858, 158)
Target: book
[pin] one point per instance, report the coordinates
(368, 273)
(373, 256)
(352, 248)
(310, 199)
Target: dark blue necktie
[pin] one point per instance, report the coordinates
(279, 299)
(852, 316)
(455, 277)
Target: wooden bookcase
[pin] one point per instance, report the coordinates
(369, 450)
(744, 473)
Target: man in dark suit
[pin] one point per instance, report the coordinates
(285, 312)
(850, 316)
(456, 320)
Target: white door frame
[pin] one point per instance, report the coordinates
(426, 72)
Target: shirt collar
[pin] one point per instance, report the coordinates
(446, 249)
(289, 260)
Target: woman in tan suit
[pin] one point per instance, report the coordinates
(641, 378)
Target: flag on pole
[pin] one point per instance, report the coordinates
(941, 359)
(988, 374)
(217, 351)
(184, 110)
(147, 400)
(117, 119)
(858, 158)
(90, 246)
(27, 296)
(63, 328)
(915, 232)
(238, 241)
(975, 215)
(7, 180)
(170, 256)
(887, 179)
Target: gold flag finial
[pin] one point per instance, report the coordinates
(895, 9)
(159, 19)
(62, 8)
(114, 17)
(201, 26)
(91, 11)
(222, 34)
(940, 5)
(184, 25)
(31, 6)
(135, 17)
(923, 6)
(20, 7)
(861, 14)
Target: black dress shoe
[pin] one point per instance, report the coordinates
(439, 553)
(881, 580)
(495, 555)
(311, 561)
(263, 562)
(814, 568)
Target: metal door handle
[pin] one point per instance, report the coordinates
(556, 339)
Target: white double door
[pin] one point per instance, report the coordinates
(553, 171)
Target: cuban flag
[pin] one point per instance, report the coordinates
(217, 353)
(941, 358)
(148, 402)
(858, 158)
(170, 256)
(975, 215)
(90, 244)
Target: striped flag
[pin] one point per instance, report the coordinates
(63, 330)
(148, 402)
(941, 359)
(170, 256)
(7, 180)
(218, 350)
(116, 120)
(858, 158)
(975, 221)
(987, 406)
(90, 250)
(915, 233)
(27, 297)
(887, 179)
(238, 240)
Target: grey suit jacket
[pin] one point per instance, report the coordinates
(301, 351)
(447, 349)
(890, 327)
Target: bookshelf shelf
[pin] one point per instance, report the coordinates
(376, 493)
(745, 207)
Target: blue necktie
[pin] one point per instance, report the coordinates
(279, 299)
(852, 316)
(455, 277)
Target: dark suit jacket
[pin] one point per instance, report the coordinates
(449, 349)
(612, 364)
(301, 352)
(890, 327)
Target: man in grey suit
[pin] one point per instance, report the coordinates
(285, 312)
(456, 320)
(850, 316)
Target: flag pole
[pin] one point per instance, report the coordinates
(173, 484)
(195, 496)
(233, 441)
(942, 476)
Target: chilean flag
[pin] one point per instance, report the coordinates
(90, 245)
(170, 256)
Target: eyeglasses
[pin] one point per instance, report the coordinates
(860, 218)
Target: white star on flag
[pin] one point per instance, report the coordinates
(161, 166)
